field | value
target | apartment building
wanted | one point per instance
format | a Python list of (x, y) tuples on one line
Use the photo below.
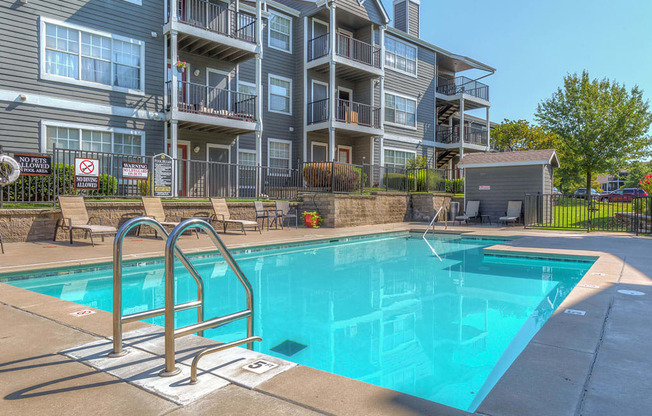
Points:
[(267, 83)]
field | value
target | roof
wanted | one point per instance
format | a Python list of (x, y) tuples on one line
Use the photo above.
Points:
[(524, 158)]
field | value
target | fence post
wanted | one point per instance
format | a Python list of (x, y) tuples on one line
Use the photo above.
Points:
[(362, 178), (54, 184), (333, 177)]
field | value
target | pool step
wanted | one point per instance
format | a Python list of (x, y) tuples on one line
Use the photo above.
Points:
[(141, 366)]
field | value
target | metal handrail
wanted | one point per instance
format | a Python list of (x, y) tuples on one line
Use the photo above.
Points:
[(118, 318), (432, 224), (170, 332)]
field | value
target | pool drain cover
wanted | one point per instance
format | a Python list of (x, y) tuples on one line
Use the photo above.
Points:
[(288, 348)]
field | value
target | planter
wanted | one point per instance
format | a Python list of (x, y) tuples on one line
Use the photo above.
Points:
[(312, 219), (307, 219)]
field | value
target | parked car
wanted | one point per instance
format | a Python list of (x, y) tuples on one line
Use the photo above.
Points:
[(581, 193), (556, 191), (604, 196), (626, 195)]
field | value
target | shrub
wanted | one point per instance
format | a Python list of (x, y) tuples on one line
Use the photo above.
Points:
[(399, 181), (455, 186), (427, 180), (343, 178)]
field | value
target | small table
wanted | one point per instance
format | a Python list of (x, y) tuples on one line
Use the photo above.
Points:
[(483, 217)]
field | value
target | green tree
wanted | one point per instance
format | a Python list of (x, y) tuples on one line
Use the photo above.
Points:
[(636, 173), (515, 135), (600, 124)]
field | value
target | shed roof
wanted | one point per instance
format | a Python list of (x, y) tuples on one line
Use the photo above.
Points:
[(523, 158)]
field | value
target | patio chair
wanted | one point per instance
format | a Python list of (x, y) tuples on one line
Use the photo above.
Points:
[(221, 214), (472, 212), (262, 213), (154, 209), (513, 214), (75, 217), (284, 211), (2, 246)]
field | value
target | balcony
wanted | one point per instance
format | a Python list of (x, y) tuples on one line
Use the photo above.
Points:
[(462, 85), (225, 110), (349, 115), (472, 136), (213, 30), (358, 59)]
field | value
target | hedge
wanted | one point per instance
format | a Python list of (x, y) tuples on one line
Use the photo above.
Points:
[(423, 180), (343, 178), (44, 188), (455, 186)]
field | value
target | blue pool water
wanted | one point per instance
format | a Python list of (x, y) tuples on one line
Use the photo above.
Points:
[(382, 310)]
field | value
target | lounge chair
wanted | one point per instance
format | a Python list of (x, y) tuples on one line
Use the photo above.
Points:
[(472, 212), (284, 211), (2, 246), (221, 214), (513, 214), (154, 209), (75, 217)]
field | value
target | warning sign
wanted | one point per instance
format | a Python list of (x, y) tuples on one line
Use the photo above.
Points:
[(135, 170), (83, 312), (87, 173)]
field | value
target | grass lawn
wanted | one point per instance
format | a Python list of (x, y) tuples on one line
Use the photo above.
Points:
[(572, 214)]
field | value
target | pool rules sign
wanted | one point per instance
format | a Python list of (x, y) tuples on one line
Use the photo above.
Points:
[(87, 173)]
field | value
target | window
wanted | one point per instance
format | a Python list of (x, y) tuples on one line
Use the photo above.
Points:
[(247, 158), (247, 88), (95, 139), (400, 56), (400, 111), (90, 58), (279, 153), (279, 95), (280, 32), (398, 158)]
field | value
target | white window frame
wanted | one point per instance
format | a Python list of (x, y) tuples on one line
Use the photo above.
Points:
[(272, 140), (408, 45), (49, 123), (396, 149), (269, 93), (349, 148), (312, 89), (253, 152), (210, 146), (247, 84), (91, 84), (321, 22), (312, 149), (269, 31), (416, 111)]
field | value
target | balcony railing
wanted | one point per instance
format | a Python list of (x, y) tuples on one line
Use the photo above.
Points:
[(358, 51), (462, 85), (348, 112), (347, 47), (218, 19), (472, 135), (202, 99)]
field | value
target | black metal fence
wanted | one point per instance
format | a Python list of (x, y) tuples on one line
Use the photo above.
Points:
[(216, 18), (203, 179), (568, 212)]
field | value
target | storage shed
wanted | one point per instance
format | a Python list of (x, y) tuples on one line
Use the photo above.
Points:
[(496, 178)]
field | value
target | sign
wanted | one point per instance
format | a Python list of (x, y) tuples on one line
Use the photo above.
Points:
[(34, 165), (575, 312), (163, 175), (135, 170), (83, 312), (260, 366), (87, 173), (484, 188)]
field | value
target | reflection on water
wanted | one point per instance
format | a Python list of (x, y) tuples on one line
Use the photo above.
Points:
[(383, 311)]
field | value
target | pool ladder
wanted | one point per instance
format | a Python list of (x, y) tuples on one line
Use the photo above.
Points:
[(172, 251), (432, 225)]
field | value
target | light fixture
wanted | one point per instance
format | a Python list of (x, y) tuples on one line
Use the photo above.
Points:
[(196, 149), (22, 97), (197, 72), (154, 34), (291, 129)]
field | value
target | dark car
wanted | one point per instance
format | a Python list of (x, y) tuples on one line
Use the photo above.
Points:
[(626, 195), (581, 193)]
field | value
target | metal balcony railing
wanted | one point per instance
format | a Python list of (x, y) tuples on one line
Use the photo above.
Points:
[(472, 135), (348, 112), (347, 47), (462, 85), (202, 99), (217, 19)]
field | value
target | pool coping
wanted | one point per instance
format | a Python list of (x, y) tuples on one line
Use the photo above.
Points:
[(603, 274)]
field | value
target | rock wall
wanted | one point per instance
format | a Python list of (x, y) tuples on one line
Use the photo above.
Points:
[(424, 206)]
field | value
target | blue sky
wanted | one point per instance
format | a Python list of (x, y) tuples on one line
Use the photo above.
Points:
[(533, 44)]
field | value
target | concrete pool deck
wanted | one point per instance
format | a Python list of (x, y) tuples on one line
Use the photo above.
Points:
[(595, 363)]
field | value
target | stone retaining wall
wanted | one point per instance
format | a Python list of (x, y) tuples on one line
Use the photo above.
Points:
[(424, 206), (39, 224), (625, 220)]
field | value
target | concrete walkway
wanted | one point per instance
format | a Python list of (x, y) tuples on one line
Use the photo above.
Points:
[(591, 364)]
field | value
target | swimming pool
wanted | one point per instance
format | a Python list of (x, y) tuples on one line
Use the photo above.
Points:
[(382, 310)]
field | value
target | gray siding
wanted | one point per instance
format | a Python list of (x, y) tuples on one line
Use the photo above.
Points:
[(507, 184), (20, 126), (413, 19), (369, 10), (400, 16), (21, 24), (422, 89)]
